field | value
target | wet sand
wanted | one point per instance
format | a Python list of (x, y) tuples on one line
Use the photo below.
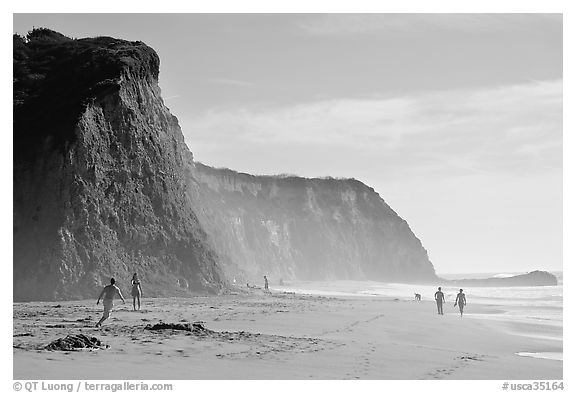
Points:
[(278, 336)]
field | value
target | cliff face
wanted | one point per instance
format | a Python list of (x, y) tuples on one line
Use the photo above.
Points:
[(99, 187), (307, 229), (104, 185)]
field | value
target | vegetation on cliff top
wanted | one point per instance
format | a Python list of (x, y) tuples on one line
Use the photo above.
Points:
[(48, 64)]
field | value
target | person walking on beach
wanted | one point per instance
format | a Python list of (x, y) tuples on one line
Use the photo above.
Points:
[(461, 301), (266, 284), (136, 291), (109, 293), (439, 296)]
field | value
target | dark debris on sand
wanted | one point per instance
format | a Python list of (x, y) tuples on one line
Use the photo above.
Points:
[(196, 328), (170, 326), (75, 342)]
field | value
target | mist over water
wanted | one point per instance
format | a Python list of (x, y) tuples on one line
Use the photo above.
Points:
[(538, 310)]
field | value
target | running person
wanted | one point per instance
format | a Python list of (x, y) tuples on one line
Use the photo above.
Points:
[(461, 301), (109, 293), (136, 290), (439, 296)]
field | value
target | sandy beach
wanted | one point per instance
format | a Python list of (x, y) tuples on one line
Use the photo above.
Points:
[(253, 335)]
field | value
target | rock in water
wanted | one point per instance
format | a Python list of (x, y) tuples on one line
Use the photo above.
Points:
[(75, 342)]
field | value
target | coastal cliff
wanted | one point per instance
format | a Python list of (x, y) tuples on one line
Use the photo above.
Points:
[(104, 186), (99, 187), (289, 227)]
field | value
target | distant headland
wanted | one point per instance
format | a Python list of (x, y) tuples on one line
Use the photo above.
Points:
[(535, 278)]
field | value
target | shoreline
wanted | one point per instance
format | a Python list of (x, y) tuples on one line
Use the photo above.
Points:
[(284, 336)]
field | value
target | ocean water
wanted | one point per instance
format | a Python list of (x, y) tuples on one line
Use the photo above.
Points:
[(537, 309), (541, 306)]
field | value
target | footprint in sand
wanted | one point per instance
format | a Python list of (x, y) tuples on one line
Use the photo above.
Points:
[(460, 361), (362, 366)]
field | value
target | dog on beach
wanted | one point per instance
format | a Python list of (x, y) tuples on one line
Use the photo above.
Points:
[(417, 296)]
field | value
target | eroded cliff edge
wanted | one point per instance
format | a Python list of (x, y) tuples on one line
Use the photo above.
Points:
[(306, 229), (104, 185), (99, 186)]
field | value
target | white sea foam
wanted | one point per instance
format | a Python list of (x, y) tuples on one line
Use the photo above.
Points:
[(503, 275), (543, 355), (537, 306)]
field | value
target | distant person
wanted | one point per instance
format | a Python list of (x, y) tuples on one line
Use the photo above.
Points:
[(266, 284), (439, 296), (109, 293), (461, 301), (136, 291)]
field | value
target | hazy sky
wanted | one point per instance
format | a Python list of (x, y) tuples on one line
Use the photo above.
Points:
[(454, 119)]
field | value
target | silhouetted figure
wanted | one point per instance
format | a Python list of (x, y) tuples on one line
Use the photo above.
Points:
[(461, 301), (136, 291), (417, 296), (109, 293), (266, 283), (439, 296)]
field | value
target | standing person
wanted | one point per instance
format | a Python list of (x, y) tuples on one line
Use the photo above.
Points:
[(109, 293), (439, 296), (136, 291), (461, 301), (266, 283)]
